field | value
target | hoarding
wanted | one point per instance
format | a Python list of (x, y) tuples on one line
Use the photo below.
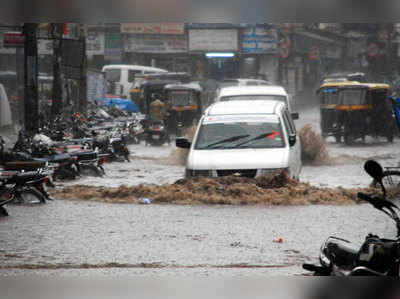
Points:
[(258, 40), (153, 28), (213, 40), (155, 43)]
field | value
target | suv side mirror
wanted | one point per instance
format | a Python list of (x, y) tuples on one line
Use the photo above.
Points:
[(182, 143), (292, 140), (295, 115)]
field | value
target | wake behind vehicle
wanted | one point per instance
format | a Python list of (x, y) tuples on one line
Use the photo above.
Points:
[(376, 257), (246, 138)]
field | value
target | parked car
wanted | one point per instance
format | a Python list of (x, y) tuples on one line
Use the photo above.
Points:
[(256, 93), (244, 138)]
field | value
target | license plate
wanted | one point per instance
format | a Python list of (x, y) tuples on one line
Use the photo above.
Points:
[(156, 137)]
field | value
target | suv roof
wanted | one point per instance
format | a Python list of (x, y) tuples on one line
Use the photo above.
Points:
[(243, 107), (253, 90)]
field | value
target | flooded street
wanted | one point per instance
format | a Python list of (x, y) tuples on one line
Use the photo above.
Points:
[(68, 237), (65, 237)]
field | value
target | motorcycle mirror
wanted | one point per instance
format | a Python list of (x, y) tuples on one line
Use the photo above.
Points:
[(374, 169)]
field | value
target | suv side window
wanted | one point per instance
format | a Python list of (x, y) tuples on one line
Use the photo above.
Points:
[(289, 122)]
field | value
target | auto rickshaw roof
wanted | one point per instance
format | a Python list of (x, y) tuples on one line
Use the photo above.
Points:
[(339, 84), (158, 82), (189, 86), (377, 85)]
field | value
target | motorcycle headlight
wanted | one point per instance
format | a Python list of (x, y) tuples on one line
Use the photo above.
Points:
[(323, 258), (197, 173)]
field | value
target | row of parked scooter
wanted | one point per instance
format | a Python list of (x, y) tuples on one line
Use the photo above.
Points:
[(65, 149)]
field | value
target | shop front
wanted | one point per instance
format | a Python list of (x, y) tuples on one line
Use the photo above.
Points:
[(159, 45), (214, 53)]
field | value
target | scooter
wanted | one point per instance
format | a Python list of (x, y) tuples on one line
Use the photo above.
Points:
[(156, 134), (376, 257)]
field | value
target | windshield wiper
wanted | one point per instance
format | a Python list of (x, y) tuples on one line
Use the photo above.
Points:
[(230, 139), (258, 137)]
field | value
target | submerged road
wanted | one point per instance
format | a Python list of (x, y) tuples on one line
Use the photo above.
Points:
[(70, 238)]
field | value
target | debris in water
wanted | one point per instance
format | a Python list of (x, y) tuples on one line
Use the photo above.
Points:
[(275, 189), (144, 201)]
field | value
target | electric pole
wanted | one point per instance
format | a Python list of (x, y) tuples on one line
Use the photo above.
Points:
[(57, 103), (31, 104)]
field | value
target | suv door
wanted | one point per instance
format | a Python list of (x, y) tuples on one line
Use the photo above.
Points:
[(294, 149)]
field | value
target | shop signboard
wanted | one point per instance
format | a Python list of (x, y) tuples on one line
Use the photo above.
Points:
[(112, 49), (259, 40), (153, 28), (13, 40), (4, 50), (141, 43), (95, 43), (204, 40)]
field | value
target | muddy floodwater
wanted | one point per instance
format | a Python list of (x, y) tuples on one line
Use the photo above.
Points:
[(73, 237), (84, 238)]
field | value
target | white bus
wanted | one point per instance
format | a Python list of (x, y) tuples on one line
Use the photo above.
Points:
[(124, 75)]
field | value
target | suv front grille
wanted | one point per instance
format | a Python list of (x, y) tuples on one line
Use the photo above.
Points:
[(248, 173)]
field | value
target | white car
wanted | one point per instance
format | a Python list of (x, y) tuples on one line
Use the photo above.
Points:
[(244, 138), (255, 93)]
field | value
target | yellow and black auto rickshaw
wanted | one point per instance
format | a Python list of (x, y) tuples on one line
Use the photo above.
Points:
[(364, 109), (183, 105), (328, 95)]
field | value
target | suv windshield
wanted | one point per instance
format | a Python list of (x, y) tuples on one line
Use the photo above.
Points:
[(240, 135), (254, 98)]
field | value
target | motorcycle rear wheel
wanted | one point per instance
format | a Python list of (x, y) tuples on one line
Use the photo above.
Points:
[(30, 196)]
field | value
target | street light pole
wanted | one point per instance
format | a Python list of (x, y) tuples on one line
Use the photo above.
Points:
[(31, 113)]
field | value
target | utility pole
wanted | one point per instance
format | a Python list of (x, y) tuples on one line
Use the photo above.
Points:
[(31, 105), (83, 80), (57, 92)]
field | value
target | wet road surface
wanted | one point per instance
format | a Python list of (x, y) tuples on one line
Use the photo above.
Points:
[(75, 238), (67, 238)]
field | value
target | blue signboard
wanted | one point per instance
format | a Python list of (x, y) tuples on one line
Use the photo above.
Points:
[(95, 86), (259, 40)]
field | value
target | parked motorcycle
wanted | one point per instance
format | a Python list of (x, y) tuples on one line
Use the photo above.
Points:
[(376, 257)]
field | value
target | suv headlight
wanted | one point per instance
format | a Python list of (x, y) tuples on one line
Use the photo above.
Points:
[(263, 172), (195, 173)]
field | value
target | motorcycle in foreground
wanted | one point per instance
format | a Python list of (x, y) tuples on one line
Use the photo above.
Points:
[(376, 257)]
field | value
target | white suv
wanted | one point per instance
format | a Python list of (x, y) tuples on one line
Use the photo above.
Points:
[(245, 138)]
